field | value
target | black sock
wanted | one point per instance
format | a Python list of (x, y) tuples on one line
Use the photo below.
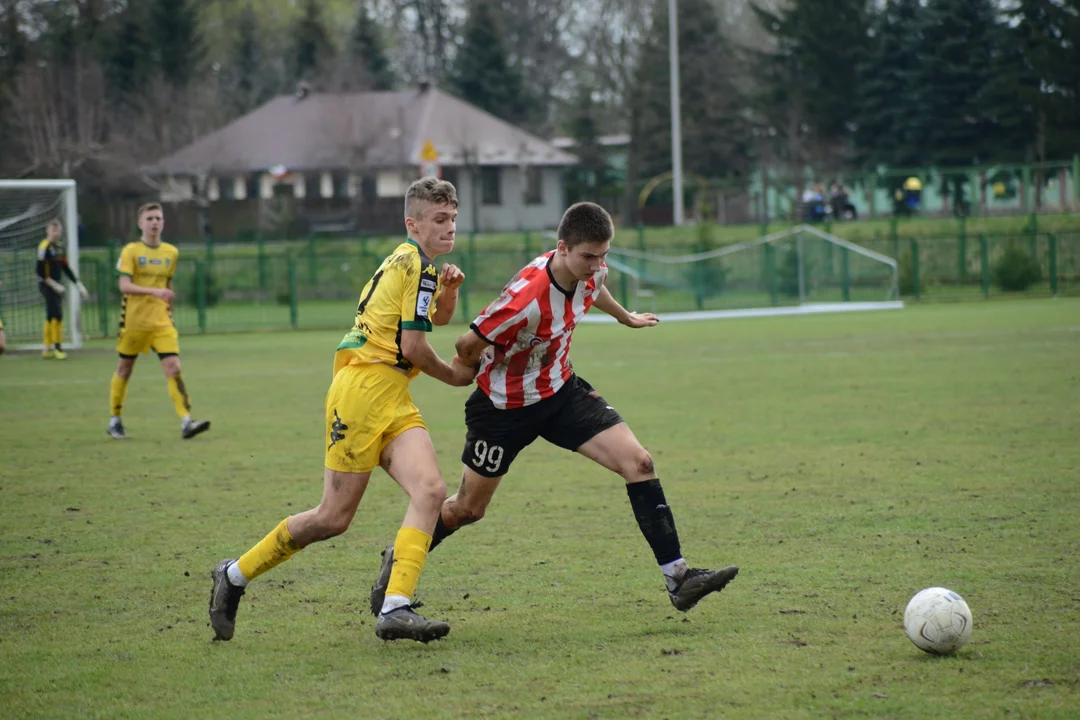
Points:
[(441, 533), (655, 519)]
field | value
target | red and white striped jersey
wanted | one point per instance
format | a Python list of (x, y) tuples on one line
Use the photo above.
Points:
[(529, 327)]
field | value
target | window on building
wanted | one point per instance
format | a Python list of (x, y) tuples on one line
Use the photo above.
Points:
[(254, 185), (490, 185), (226, 188), (341, 184), (534, 186)]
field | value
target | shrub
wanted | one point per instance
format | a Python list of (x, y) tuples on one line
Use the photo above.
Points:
[(1015, 270)]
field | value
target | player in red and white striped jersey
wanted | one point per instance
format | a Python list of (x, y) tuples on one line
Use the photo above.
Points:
[(529, 328), (527, 388)]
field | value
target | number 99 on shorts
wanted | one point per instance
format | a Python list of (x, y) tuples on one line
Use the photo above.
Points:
[(487, 457)]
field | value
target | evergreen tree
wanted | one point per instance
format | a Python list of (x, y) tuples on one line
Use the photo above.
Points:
[(888, 82), (957, 47), (1036, 78), (13, 42), (366, 49), (482, 74), (312, 48), (590, 173), (129, 60), (174, 32), (819, 45), (252, 79)]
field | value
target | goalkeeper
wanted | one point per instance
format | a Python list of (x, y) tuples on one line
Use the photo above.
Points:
[(52, 265)]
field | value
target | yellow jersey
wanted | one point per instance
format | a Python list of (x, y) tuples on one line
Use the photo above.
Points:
[(401, 295), (147, 266)]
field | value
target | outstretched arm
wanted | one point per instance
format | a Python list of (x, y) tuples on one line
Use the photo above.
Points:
[(417, 350), (470, 347), (607, 302)]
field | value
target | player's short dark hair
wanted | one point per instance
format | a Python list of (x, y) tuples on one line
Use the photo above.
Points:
[(430, 190), (54, 221), (585, 222), (145, 207)]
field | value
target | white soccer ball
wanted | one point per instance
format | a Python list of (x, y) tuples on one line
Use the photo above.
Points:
[(938, 621)]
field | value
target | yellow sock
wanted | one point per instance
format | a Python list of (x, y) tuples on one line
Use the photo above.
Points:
[(410, 552), (117, 393), (180, 397), (272, 550), (58, 333)]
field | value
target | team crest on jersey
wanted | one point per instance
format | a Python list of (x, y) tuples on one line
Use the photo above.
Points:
[(142, 260), (168, 262), (535, 341)]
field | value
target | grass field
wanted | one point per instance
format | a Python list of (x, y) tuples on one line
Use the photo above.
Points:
[(844, 462)]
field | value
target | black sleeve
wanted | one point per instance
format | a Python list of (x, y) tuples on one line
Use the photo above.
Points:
[(68, 271), (41, 270)]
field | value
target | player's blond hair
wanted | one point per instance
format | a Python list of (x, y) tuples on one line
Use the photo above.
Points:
[(430, 190), (585, 222), (145, 207)]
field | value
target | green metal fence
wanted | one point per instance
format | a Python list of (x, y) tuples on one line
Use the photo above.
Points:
[(316, 284)]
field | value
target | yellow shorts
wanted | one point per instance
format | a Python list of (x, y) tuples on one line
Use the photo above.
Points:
[(165, 341), (366, 408)]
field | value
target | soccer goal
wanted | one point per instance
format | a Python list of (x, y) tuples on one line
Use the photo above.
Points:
[(801, 270), (26, 207)]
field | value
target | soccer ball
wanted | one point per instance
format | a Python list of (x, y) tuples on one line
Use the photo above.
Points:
[(938, 621)]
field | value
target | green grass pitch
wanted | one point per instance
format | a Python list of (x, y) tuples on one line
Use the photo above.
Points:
[(844, 462)]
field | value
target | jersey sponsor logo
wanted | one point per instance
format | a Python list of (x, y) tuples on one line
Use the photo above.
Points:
[(430, 270), (428, 284), (155, 261), (535, 341), (423, 304)]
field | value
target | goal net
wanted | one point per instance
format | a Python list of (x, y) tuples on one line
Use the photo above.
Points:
[(26, 207), (797, 271)]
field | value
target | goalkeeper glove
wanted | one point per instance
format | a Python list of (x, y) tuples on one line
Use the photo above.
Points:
[(83, 291), (55, 286)]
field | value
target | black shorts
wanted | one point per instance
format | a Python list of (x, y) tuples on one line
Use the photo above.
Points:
[(569, 419), (54, 303)]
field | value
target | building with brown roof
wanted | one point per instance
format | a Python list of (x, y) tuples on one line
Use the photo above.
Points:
[(322, 162)]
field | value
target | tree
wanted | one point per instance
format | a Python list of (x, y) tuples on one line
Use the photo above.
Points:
[(482, 74), (174, 33), (367, 52), (807, 83), (957, 47), (536, 35), (954, 120), (713, 125), (13, 41), (886, 131), (312, 48), (129, 63), (1034, 93), (427, 34), (590, 173)]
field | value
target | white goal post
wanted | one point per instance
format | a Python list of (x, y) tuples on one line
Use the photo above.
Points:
[(26, 207)]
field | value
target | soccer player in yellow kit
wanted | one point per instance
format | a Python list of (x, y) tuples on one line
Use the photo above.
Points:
[(146, 271), (52, 266), (371, 420)]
